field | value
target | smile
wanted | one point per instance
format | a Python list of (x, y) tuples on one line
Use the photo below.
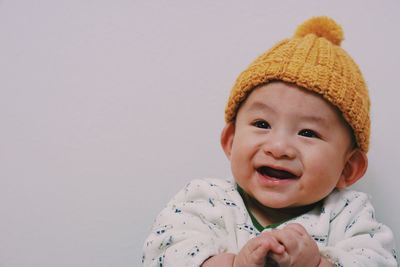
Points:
[(275, 173)]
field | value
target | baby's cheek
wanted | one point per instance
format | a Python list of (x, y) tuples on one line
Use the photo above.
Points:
[(323, 175)]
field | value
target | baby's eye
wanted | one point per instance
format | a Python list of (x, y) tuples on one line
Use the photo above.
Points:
[(308, 133), (262, 124)]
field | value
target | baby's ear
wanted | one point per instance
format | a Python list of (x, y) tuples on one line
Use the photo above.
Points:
[(227, 138), (354, 169)]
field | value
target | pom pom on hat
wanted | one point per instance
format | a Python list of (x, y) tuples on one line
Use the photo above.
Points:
[(321, 27)]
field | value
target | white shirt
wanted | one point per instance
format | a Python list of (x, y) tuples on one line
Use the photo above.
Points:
[(208, 217)]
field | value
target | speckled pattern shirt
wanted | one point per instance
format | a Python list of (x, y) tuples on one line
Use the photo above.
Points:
[(208, 217)]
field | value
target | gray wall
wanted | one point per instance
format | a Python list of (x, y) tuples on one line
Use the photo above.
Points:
[(107, 108)]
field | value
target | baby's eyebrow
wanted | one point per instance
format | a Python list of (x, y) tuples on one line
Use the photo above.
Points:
[(260, 106), (315, 119)]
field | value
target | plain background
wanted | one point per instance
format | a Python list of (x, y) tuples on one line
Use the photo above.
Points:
[(108, 108)]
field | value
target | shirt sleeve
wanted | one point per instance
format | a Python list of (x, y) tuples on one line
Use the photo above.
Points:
[(357, 239), (190, 229)]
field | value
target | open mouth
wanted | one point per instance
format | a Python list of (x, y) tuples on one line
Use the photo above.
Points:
[(275, 173)]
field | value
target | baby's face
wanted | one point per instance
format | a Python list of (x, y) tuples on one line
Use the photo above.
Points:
[(289, 146)]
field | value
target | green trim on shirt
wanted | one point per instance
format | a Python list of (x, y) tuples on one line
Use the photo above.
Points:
[(256, 224)]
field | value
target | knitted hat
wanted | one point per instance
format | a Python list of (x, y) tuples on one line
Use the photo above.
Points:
[(312, 59)]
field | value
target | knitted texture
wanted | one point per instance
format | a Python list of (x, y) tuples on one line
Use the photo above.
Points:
[(312, 59)]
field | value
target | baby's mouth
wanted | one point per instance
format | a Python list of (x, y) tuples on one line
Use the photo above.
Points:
[(275, 173)]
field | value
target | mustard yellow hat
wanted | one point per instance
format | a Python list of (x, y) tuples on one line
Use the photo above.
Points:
[(314, 60)]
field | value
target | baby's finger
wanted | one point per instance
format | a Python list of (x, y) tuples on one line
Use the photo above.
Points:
[(259, 247), (270, 243), (256, 250), (287, 237), (298, 228)]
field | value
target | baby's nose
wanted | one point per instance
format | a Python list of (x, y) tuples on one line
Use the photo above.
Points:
[(279, 145)]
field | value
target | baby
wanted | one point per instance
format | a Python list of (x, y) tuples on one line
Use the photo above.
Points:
[(296, 134)]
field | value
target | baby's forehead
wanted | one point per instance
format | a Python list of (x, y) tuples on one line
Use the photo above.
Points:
[(285, 94)]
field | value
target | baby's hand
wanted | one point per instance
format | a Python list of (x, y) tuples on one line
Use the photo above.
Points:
[(255, 252), (300, 248)]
